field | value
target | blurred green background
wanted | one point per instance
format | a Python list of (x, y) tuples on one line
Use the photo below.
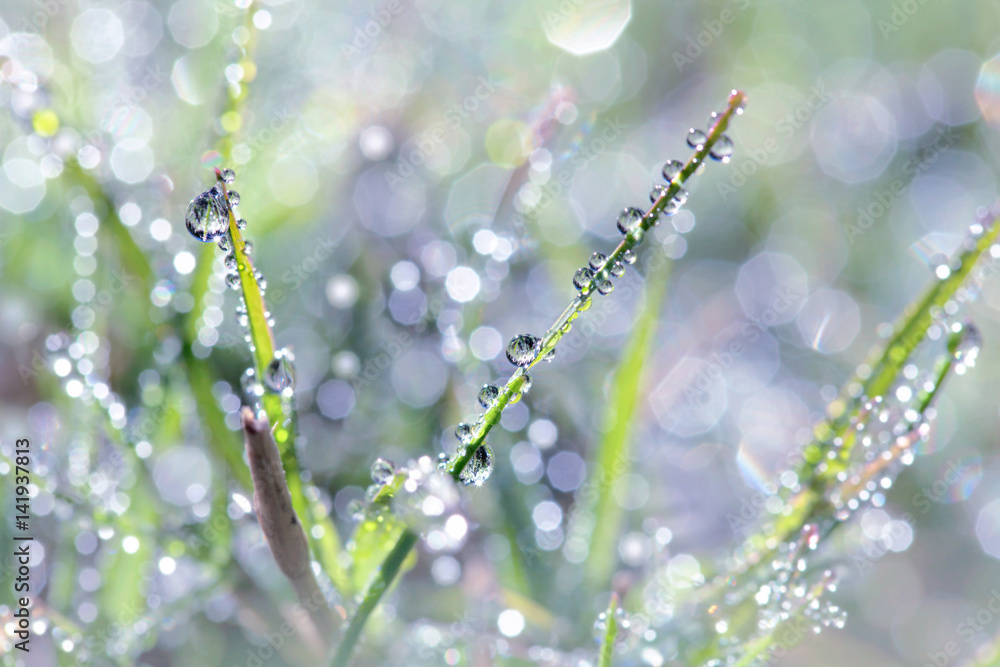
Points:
[(421, 178)]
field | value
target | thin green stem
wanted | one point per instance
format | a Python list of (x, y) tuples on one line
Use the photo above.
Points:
[(386, 574), (583, 300), (610, 633)]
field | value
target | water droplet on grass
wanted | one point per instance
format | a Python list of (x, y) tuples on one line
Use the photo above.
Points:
[(521, 349), (488, 395), (234, 198), (629, 219), (722, 149), (207, 216), (671, 169), (696, 139), (464, 433), (382, 470), (479, 467), (280, 373), (228, 175), (597, 260), (582, 278)]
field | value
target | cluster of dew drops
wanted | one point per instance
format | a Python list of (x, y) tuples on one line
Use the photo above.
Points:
[(207, 220), (887, 431)]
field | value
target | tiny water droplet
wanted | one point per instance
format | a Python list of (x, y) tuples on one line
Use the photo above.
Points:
[(659, 189), (605, 287), (479, 467), (629, 219), (617, 269), (234, 198), (280, 373), (207, 216), (671, 169), (628, 256), (601, 627), (356, 510), (696, 139), (968, 346), (722, 149), (680, 197), (382, 470), (224, 244), (464, 433), (233, 281), (247, 247), (241, 224), (597, 260), (230, 262), (488, 395), (526, 387), (582, 278), (521, 349), (713, 118), (228, 175)]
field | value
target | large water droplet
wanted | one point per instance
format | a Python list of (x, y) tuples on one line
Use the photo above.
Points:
[(207, 215), (382, 470), (280, 373), (696, 139), (521, 349), (479, 467), (488, 395), (722, 149), (629, 219), (582, 278)]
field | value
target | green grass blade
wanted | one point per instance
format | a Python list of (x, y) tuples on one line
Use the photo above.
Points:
[(613, 457), (610, 633)]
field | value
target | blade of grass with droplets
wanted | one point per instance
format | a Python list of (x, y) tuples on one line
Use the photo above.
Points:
[(610, 633), (583, 301), (322, 534), (613, 457), (513, 388)]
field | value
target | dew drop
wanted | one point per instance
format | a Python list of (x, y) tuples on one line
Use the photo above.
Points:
[(617, 269), (247, 247), (234, 198), (228, 175), (464, 433), (659, 189), (628, 256), (356, 510), (713, 118), (230, 262), (488, 395), (521, 350), (968, 346), (241, 224), (680, 197), (582, 278), (722, 149), (250, 384), (629, 219), (671, 169), (233, 281), (597, 260), (601, 627), (479, 467), (207, 216), (225, 245), (605, 287), (382, 470), (280, 373), (696, 139)]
